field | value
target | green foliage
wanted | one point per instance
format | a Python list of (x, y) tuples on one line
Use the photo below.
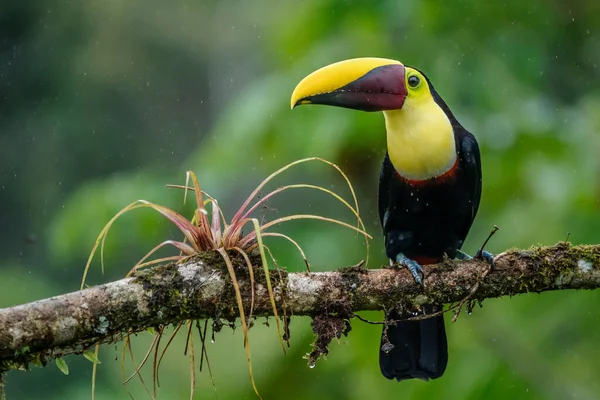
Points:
[(62, 365), (102, 103), (91, 357)]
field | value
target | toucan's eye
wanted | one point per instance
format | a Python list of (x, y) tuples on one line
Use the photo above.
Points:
[(413, 81)]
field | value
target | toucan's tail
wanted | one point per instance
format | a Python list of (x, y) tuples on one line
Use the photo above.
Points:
[(420, 348)]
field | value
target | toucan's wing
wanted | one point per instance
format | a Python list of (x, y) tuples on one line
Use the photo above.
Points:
[(470, 168), (385, 176)]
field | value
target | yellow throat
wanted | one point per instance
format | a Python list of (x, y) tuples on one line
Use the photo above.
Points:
[(420, 140)]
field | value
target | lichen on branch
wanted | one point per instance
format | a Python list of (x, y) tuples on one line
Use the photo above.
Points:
[(200, 288)]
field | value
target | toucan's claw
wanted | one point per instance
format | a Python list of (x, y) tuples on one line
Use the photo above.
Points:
[(413, 266), (480, 255), (486, 256)]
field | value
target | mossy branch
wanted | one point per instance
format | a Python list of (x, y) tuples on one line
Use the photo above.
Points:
[(201, 288)]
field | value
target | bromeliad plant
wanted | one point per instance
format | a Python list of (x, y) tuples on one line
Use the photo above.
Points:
[(211, 232)]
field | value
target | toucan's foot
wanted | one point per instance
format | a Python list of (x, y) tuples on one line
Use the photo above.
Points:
[(481, 255), (486, 256), (413, 266)]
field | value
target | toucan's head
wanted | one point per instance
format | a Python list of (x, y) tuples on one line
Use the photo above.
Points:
[(419, 125), (367, 84)]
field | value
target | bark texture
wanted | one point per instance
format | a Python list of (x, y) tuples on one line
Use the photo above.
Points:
[(201, 288)]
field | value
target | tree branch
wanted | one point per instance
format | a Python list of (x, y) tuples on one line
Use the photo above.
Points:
[(201, 288)]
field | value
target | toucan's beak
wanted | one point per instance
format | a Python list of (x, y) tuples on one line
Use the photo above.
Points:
[(367, 84)]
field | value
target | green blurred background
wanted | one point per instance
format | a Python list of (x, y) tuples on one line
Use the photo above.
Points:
[(103, 103)]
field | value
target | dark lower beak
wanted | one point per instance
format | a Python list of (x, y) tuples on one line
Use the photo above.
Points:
[(368, 89)]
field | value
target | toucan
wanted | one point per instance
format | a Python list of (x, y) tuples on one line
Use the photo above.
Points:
[(429, 189)]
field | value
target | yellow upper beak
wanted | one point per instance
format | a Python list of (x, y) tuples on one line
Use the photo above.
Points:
[(335, 76)]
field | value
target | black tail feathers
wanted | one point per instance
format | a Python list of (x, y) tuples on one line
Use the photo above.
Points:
[(420, 348)]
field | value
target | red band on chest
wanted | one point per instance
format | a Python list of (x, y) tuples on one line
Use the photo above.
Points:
[(426, 260), (446, 177)]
